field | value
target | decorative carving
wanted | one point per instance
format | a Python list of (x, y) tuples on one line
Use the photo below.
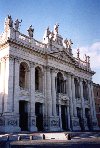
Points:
[(17, 22), (54, 123), (12, 122), (75, 123), (1, 122), (30, 31), (33, 121), (32, 64)]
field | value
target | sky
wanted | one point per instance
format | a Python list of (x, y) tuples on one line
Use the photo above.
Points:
[(79, 20)]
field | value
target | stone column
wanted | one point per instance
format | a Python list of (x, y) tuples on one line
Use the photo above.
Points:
[(68, 114), (16, 92), (53, 90), (70, 94), (48, 98), (82, 99), (94, 118), (83, 105), (9, 92), (2, 85), (48, 94), (75, 120), (45, 102), (73, 97), (16, 84), (32, 98), (11, 119)]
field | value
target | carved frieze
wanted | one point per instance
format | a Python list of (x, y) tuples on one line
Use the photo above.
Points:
[(12, 122)]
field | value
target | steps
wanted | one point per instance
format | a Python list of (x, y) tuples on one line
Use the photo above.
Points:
[(57, 136)]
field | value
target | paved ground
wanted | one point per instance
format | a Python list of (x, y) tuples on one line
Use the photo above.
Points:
[(79, 140)]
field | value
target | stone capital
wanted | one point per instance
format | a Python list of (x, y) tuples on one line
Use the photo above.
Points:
[(32, 65)]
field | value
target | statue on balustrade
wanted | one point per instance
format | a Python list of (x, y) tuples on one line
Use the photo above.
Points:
[(30, 31), (56, 28), (70, 43), (78, 53), (66, 42), (48, 32), (17, 22), (8, 22)]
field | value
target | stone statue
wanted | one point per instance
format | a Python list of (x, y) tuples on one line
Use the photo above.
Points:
[(52, 35), (8, 22), (56, 28), (88, 59), (85, 58), (48, 32), (30, 31), (66, 42), (70, 43), (17, 22), (78, 53)]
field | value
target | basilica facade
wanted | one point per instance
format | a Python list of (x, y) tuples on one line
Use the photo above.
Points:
[(43, 87)]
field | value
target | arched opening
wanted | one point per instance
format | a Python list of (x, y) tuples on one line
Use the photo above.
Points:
[(77, 88), (23, 75), (85, 90), (38, 79), (61, 84)]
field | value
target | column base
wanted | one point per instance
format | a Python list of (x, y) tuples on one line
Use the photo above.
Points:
[(75, 124), (52, 124), (86, 125), (9, 123), (32, 123), (95, 125)]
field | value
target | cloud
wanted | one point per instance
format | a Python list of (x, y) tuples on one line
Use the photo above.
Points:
[(94, 52)]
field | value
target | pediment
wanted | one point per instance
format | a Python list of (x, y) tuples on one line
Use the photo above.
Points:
[(65, 56)]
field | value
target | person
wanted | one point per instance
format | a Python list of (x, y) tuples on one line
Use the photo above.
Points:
[(17, 22), (30, 31)]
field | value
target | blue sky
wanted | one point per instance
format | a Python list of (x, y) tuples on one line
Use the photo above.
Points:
[(78, 20)]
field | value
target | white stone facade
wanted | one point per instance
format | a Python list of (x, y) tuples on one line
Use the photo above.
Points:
[(43, 86)]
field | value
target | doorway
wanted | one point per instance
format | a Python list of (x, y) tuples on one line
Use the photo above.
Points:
[(64, 117), (39, 116), (23, 112)]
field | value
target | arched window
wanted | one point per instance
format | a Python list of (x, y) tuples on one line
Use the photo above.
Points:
[(38, 79), (23, 75), (61, 85), (77, 89), (85, 90)]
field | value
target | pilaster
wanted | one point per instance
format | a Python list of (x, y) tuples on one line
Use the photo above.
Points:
[(94, 118), (53, 91), (75, 120), (9, 92), (2, 86), (32, 121)]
